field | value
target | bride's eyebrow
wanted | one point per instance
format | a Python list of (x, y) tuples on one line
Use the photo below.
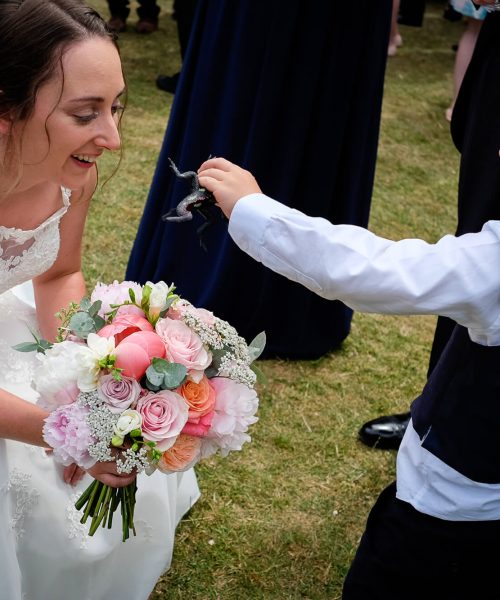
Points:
[(96, 99)]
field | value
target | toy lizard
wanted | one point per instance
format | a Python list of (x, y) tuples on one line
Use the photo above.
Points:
[(199, 200)]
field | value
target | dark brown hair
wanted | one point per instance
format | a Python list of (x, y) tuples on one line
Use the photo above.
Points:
[(34, 34)]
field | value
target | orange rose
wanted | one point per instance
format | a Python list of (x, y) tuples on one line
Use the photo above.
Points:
[(181, 456), (200, 397)]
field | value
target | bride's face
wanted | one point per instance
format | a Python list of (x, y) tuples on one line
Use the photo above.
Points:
[(75, 117)]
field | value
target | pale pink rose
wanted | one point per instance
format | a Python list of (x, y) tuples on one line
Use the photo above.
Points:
[(124, 325), (118, 394), (235, 408), (135, 353), (164, 415), (115, 293), (181, 456), (184, 346), (199, 426), (183, 307)]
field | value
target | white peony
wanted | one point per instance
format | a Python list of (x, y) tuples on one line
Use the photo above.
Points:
[(58, 370)]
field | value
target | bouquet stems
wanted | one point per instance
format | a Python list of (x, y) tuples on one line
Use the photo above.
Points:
[(100, 501)]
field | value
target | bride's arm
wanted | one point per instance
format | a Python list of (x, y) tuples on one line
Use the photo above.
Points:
[(63, 282), (21, 421)]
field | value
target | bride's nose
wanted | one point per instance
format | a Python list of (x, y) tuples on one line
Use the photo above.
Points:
[(108, 136)]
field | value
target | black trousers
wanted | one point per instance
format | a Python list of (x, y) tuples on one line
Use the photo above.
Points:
[(406, 555), (148, 9)]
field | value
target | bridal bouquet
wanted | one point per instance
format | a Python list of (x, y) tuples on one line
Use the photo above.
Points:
[(142, 377)]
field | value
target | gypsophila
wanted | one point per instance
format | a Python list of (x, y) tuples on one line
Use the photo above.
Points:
[(131, 460)]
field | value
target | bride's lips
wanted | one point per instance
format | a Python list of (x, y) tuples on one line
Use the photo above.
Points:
[(84, 161)]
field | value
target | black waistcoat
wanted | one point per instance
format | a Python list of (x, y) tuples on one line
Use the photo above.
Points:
[(457, 416)]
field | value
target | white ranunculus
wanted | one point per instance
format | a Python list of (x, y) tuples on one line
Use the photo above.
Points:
[(128, 421), (158, 297), (101, 346)]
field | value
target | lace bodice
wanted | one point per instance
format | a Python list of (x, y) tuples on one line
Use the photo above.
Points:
[(26, 253)]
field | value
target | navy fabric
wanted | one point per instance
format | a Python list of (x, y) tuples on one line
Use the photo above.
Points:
[(292, 91), (458, 413)]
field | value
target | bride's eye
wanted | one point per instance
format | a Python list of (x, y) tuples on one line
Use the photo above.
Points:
[(117, 109), (87, 118)]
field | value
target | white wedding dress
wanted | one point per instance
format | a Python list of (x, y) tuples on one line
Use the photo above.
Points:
[(45, 553)]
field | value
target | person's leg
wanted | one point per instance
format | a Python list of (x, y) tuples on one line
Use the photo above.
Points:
[(147, 12), (405, 554), (119, 11), (395, 38), (464, 53)]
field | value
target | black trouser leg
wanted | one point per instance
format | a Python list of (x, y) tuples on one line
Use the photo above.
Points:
[(119, 8), (148, 9), (407, 555)]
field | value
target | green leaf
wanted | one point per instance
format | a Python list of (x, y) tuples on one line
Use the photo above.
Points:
[(82, 324), (45, 344), (26, 347), (99, 322), (95, 308), (257, 345), (173, 373), (131, 294), (261, 377), (154, 377), (85, 304), (146, 293)]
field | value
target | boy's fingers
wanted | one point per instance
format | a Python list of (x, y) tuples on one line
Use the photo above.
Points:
[(218, 163)]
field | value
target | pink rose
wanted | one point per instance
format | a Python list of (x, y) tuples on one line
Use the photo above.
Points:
[(134, 354), (184, 346), (164, 414), (124, 325), (199, 426), (181, 456), (118, 395), (183, 307)]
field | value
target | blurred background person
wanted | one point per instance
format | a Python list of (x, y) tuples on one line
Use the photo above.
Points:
[(147, 12), (293, 93)]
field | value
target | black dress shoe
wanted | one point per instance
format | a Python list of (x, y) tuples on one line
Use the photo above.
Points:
[(385, 433)]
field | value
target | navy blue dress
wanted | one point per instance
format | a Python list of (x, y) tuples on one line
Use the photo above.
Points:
[(292, 91)]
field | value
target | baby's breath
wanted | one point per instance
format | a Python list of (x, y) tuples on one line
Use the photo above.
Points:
[(131, 460), (235, 360)]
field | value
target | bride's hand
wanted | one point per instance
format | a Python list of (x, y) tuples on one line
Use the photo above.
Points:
[(106, 473), (72, 474)]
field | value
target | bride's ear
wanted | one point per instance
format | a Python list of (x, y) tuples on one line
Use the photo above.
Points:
[(5, 125)]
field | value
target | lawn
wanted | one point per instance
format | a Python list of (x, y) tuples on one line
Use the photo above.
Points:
[(282, 519)]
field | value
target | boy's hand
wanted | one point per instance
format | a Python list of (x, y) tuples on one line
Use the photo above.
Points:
[(227, 182)]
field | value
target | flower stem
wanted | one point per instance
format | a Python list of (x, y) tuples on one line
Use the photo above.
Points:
[(91, 502)]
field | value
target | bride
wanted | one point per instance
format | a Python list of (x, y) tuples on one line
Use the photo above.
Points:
[(60, 88)]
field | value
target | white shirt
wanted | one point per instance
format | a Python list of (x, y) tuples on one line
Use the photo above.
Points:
[(458, 277)]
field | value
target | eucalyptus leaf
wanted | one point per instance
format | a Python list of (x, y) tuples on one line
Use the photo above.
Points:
[(95, 308), (174, 377), (85, 304), (261, 377), (151, 387), (26, 347), (257, 345), (154, 377), (211, 372), (81, 324), (99, 322)]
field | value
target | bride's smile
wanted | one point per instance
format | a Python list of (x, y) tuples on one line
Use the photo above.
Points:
[(75, 117)]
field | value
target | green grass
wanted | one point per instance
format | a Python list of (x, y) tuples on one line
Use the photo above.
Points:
[(282, 518)]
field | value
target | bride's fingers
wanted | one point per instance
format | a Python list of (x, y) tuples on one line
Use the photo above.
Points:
[(69, 473), (212, 172)]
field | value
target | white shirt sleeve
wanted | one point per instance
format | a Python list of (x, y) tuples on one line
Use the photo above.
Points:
[(458, 277)]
